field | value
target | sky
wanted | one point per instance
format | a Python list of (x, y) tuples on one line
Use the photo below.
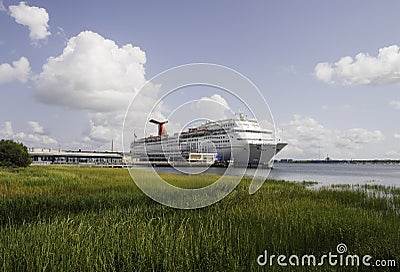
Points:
[(329, 70)]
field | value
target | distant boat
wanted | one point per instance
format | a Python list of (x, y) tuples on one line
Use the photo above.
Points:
[(240, 141)]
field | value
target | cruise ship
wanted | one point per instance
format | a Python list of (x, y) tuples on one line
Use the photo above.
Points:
[(239, 141)]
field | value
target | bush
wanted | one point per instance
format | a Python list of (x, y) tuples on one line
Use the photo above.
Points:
[(13, 154)]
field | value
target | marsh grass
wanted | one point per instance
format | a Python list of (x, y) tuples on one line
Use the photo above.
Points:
[(90, 219)]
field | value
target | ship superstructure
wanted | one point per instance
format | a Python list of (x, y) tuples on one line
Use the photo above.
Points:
[(240, 141)]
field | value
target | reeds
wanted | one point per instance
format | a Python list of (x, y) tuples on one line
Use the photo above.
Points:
[(90, 219)]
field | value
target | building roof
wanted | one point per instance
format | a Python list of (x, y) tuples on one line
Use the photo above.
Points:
[(71, 153)]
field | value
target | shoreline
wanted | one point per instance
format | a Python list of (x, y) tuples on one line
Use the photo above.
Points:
[(341, 161)]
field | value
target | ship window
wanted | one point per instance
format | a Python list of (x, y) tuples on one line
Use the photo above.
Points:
[(254, 131)]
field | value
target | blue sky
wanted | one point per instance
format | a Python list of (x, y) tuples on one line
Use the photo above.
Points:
[(294, 51)]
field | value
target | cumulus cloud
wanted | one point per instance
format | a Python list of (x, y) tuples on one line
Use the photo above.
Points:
[(213, 107), (395, 104), (19, 70), (35, 138), (307, 129), (35, 18), (105, 127), (308, 138), (2, 8), (36, 127), (357, 137), (216, 98), (100, 132), (96, 75), (6, 130), (397, 136), (363, 69), (92, 73)]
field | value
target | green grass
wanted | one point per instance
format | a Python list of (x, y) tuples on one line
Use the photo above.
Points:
[(91, 219)]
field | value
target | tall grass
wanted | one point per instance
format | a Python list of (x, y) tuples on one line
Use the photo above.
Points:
[(89, 219)]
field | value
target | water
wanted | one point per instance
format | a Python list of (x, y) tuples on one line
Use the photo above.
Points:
[(325, 174)]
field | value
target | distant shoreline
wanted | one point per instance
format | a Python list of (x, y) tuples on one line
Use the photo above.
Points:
[(373, 161)]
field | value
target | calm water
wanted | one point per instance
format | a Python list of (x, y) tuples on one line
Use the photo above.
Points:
[(326, 174)]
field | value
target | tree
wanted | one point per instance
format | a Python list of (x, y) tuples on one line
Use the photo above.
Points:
[(13, 154)]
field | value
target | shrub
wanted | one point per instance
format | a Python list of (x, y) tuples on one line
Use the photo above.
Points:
[(13, 154)]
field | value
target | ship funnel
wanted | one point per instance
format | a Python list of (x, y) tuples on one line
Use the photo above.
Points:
[(161, 129)]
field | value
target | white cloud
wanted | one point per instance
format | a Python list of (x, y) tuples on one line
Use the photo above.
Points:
[(36, 127), (395, 104), (2, 8), (34, 140), (61, 34), (324, 72), (35, 18), (397, 136), (100, 132), (19, 70), (309, 139), (37, 138), (92, 73), (356, 137), (214, 107), (363, 69), (6, 131), (218, 99), (105, 127), (306, 129)]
